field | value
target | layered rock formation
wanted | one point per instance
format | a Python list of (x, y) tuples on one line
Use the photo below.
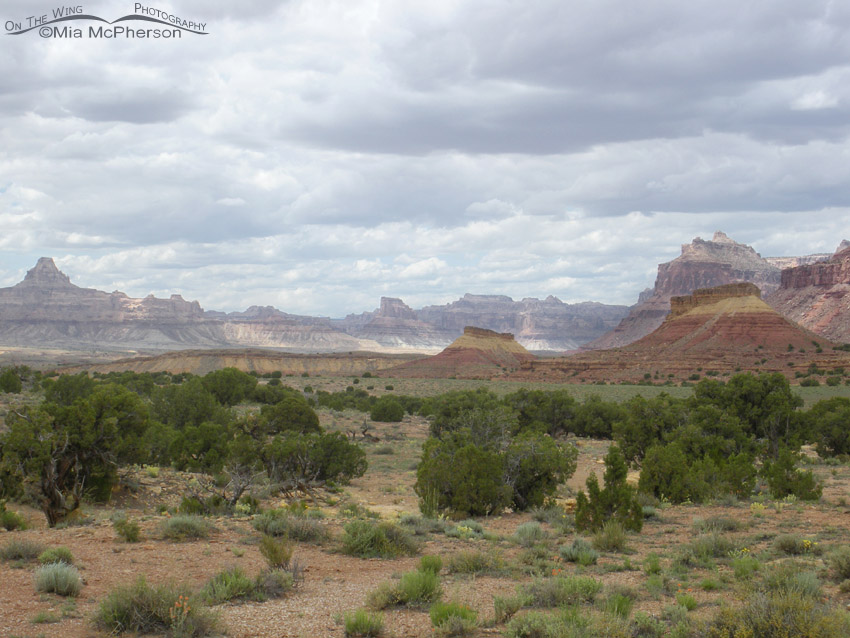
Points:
[(817, 296), (702, 264), (261, 361), (48, 311), (395, 325), (548, 324), (719, 330), (477, 354)]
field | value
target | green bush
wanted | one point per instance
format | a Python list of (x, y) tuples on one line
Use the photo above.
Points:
[(580, 552), (21, 550), (281, 522), (529, 534), (563, 590), (611, 538), (839, 561), (273, 583), (277, 552), (143, 609), (414, 588), (10, 520), (796, 545), (368, 539), (475, 562), (453, 619), (229, 584), (58, 578), (127, 529), (785, 615), (430, 564), (784, 479), (363, 624), (617, 500), (56, 555), (387, 409), (419, 587), (184, 527)]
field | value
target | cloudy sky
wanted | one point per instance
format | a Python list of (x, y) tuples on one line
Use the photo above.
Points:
[(315, 155)]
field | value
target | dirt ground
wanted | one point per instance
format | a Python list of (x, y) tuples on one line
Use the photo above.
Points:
[(335, 583)]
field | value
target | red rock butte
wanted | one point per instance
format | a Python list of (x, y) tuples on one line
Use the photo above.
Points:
[(476, 354), (720, 330)]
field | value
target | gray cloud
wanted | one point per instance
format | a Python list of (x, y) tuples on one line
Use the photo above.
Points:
[(318, 155)]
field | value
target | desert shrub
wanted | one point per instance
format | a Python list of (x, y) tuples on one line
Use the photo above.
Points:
[(368, 539), (10, 520), (611, 538), (712, 546), (453, 619), (229, 584), (387, 409), (796, 545), (363, 624), (784, 615), (615, 501), (809, 382), (430, 564), (790, 578), (144, 609), (491, 468), (419, 587), (185, 527), (88, 438), (619, 604), (58, 578), (421, 525), (469, 528), (292, 414), (540, 625), (744, 567), (280, 522), (277, 552), (839, 562), (529, 534), (717, 524), (828, 424), (504, 607), (413, 588), (10, 382), (21, 550), (229, 386), (273, 583), (580, 552), (56, 555), (475, 562), (784, 479), (127, 529), (294, 458), (562, 590)]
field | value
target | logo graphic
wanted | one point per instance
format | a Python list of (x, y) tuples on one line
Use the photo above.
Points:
[(51, 25)]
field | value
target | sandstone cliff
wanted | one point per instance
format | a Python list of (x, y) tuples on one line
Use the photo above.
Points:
[(720, 330), (477, 354), (817, 295), (702, 264)]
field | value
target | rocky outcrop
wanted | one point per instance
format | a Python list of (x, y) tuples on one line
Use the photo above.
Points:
[(702, 264), (395, 325), (817, 296), (47, 310), (477, 354), (717, 331), (548, 324), (708, 296), (260, 361)]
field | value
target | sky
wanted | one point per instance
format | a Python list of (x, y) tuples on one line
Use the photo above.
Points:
[(315, 155)]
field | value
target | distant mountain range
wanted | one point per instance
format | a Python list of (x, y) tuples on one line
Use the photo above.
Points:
[(46, 310)]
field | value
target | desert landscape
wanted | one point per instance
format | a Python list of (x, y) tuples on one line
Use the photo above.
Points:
[(691, 481)]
